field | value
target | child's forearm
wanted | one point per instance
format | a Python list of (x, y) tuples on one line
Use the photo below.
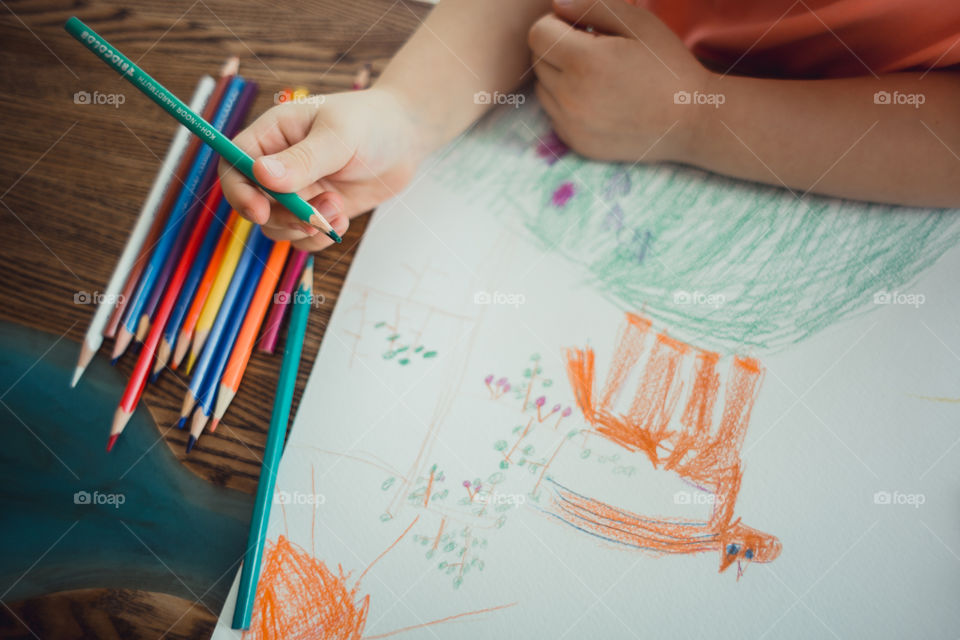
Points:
[(463, 47), (834, 137)]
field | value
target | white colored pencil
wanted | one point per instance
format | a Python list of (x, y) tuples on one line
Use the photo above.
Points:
[(94, 338)]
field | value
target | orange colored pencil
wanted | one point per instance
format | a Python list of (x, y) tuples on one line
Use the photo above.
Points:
[(203, 289), (243, 347)]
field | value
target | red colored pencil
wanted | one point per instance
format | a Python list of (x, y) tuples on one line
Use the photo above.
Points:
[(141, 371)]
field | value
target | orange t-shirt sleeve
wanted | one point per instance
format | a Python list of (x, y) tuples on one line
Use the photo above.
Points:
[(816, 38)]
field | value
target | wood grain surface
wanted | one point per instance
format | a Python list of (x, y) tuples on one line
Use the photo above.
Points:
[(73, 177)]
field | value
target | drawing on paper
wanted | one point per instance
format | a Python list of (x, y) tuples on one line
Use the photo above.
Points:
[(675, 434), (300, 598), (663, 237)]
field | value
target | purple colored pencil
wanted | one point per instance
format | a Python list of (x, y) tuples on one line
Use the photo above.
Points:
[(281, 301)]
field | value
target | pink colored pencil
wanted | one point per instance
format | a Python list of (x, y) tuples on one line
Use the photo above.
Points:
[(281, 301)]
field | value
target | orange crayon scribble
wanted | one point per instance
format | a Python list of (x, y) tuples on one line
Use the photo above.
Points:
[(704, 454), (299, 597)]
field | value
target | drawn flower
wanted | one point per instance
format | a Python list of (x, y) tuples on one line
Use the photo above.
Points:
[(551, 148), (488, 379), (540, 401), (566, 412), (563, 194)]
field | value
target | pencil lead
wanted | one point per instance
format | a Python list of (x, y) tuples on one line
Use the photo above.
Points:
[(114, 361), (154, 377), (213, 424), (182, 421), (190, 442), (112, 441), (76, 377)]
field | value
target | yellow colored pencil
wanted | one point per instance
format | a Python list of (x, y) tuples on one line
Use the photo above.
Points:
[(212, 305)]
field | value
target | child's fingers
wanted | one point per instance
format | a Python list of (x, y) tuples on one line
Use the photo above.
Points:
[(555, 41), (320, 241), (615, 18), (243, 196), (320, 154), (549, 76)]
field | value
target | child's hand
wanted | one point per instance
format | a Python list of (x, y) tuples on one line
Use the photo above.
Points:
[(344, 156), (611, 97)]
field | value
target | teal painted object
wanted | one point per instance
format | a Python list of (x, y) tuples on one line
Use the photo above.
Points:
[(184, 115), (171, 531), (243, 611)]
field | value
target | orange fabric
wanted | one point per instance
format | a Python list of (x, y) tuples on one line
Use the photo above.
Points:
[(815, 38)]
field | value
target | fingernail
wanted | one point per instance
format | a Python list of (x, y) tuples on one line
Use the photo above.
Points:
[(328, 209), (247, 213), (303, 227), (274, 167)]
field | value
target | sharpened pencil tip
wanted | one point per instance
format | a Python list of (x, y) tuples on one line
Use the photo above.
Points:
[(213, 424), (154, 377), (76, 377), (112, 441), (335, 236), (192, 441), (114, 362), (182, 421)]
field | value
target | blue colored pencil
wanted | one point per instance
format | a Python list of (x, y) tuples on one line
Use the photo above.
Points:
[(230, 129), (208, 388), (205, 361), (170, 231), (172, 330), (250, 572)]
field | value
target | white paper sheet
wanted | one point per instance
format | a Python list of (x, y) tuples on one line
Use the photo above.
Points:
[(421, 498)]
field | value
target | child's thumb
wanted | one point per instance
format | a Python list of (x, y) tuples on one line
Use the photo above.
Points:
[(299, 165), (616, 17)]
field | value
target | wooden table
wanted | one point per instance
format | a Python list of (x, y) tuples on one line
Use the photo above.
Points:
[(73, 177)]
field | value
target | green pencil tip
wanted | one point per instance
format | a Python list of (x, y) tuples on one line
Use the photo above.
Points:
[(335, 236)]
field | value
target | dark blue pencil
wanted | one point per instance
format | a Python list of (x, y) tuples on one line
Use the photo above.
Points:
[(230, 298), (208, 389), (172, 330)]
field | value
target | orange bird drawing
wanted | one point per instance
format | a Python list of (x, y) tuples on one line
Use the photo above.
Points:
[(676, 434)]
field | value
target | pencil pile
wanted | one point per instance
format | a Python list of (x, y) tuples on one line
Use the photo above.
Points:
[(195, 280)]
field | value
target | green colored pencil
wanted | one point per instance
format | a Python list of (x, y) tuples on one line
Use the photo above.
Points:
[(250, 573), (191, 120)]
